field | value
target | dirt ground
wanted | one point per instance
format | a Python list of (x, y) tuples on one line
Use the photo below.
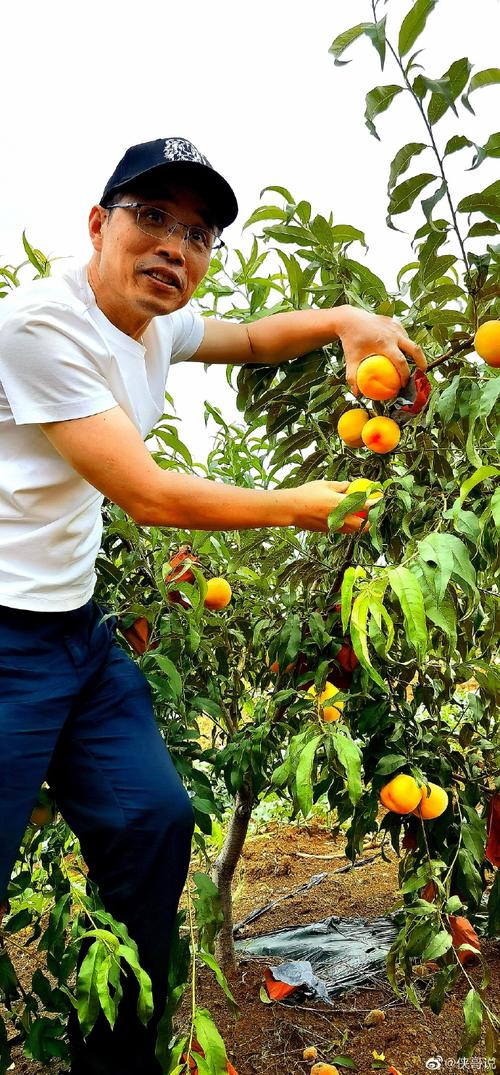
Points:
[(270, 1038)]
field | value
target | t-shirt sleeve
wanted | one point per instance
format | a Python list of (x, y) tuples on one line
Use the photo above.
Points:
[(48, 370), (189, 328)]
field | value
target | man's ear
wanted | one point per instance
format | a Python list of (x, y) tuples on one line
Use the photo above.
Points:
[(97, 218)]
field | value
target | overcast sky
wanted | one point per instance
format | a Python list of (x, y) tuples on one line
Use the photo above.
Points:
[(251, 84)]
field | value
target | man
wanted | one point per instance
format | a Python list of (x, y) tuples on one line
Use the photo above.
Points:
[(83, 363)]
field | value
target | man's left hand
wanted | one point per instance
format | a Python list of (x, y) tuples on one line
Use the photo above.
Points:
[(363, 334)]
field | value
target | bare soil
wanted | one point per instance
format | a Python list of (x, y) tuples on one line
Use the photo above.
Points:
[(270, 1038)]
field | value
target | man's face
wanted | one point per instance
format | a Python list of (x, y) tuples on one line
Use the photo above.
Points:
[(136, 276)]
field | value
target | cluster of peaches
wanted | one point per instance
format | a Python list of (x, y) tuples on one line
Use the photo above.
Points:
[(378, 379)]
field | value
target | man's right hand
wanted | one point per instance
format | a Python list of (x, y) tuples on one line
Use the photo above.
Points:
[(316, 499)]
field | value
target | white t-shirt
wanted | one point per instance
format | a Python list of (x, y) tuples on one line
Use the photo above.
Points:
[(61, 358)]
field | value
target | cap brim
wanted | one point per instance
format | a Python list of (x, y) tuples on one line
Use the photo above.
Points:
[(216, 191)]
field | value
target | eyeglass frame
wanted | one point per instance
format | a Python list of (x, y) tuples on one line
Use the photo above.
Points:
[(147, 205)]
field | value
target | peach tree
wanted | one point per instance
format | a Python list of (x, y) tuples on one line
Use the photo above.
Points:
[(402, 619)]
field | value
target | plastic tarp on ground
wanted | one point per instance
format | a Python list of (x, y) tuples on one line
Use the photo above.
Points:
[(327, 957)]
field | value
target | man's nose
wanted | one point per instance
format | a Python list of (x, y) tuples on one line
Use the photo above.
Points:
[(173, 245)]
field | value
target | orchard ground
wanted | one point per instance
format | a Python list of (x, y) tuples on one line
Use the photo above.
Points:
[(278, 857)]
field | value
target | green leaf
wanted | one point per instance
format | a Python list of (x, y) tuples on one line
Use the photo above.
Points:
[(473, 1016), (409, 594), (345, 233), (145, 999), (402, 160), (350, 757), (376, 32), (456, 143), (344, 40), (378, 100), (404, 194), (167, 666), (486, 228), (171, 441), (489, 77), (359, 635), (265, 212), (220, 977), (456, 79), (279, 190), (486, 202), (428, 204), (492, 146), (37, 259), (303, 775), (346, 595), (447, 400), (86, 987), (480, 475), (413, 24), (495, 507), (449, 556), (389, 763), (289, 233), (211, 1042), (439, 944)]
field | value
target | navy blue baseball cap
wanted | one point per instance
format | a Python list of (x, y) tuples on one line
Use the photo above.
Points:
[(170, 157)]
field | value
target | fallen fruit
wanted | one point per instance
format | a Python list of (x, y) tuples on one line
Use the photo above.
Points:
[(329, 712), (218, 594), (381, 435), (311, 1053), (377, 378), (374, 1017), (487, 343), (349, 426), (401, 795), (432, 803), (324, 1069)]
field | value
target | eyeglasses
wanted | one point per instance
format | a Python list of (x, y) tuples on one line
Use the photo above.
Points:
[(160, 224)]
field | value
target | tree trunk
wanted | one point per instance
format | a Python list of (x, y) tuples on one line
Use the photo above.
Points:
[(223, 871)]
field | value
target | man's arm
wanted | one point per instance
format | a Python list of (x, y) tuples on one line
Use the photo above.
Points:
[(280, 337), (107, 450)]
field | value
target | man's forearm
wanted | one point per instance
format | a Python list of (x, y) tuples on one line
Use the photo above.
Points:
[(280, 337), (200, 504)]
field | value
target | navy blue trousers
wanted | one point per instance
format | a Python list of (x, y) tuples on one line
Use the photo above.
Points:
[(76, 711)]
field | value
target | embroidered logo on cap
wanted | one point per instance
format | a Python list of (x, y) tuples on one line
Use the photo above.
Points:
[(179, 149)]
